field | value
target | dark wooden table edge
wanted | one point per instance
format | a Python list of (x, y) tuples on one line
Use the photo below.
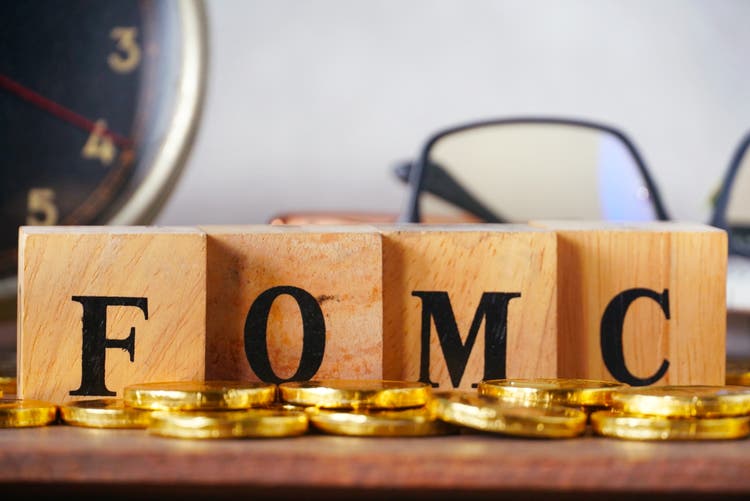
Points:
[(67, 458)]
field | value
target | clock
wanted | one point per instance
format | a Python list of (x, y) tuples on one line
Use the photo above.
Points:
[(99, 103)]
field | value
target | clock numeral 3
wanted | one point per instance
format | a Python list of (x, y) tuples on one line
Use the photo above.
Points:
[(41, 207), (128, 53), (99, 145)]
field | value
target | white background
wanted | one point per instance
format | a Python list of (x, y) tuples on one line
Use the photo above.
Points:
[(310, 103)]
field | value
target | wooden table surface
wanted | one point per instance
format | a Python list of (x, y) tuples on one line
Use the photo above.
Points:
[(88, 464), (59, 456)]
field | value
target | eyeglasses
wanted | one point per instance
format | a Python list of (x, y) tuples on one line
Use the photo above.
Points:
[(520, 169)]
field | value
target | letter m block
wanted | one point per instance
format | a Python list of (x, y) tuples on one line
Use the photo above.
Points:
[(469, 302), (103, 307)]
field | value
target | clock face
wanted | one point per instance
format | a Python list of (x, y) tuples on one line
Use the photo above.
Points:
[(98, 102)]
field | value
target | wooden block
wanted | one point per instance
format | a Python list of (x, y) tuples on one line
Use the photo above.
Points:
[(662, 285), (294, 303), (103, 307), (443, 283)]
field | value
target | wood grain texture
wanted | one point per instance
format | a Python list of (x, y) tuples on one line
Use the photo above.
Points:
[(599, 260), (467, 261), (478, 463), (339, 266), (166, 266)]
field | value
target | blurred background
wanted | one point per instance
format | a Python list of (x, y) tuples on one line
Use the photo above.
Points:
[(310, 104)]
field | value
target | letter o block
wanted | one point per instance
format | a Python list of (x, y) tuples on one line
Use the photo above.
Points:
[(469, 302), (641, 303), (103, 307), (294, 303)]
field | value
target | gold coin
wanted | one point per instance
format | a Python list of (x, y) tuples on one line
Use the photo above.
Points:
[(636, 427), (210, 395), (103, 413), (229, 424), (418, 422), (281, 406), (683, 401), (486, 414), (573, 392), (7, 386), (25, 413), (343, 394), (738, 372)]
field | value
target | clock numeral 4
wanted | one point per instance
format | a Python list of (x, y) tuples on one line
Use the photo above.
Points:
[(41, 207), (99, 145), (128, 53)]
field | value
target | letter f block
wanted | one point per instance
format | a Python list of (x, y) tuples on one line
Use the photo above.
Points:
[(463, 303), (642, 303), (103, 307)]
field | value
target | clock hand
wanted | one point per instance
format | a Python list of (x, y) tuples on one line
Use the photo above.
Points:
[(58, 110)]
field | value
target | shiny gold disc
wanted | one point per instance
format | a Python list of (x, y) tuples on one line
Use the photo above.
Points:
[(738, 373), (491, 415), (103, 413), (573, 392), (684, 401), (25, 413), (419, 422), (635, 427), (257, 423), (210, 395), (7, 386), (346, 394), (281, 406)]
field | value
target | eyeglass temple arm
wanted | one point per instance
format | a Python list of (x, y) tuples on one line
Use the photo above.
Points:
[(438, 182)]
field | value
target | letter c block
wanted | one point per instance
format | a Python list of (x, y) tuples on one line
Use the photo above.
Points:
[(464, 303), (642, 303), (103, 307)]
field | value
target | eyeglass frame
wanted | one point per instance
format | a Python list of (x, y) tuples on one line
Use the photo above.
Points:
[(416, 171)]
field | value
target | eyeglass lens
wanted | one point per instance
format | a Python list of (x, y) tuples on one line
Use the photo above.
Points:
[(527, 171)]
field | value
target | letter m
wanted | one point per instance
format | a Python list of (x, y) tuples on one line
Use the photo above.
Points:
[(493, 309)]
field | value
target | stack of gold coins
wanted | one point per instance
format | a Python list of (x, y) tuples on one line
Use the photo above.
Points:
[(582, 393), (509, 418), (257, 422), (677, 413), (350, 394), (207, 396), (26, 413), (214, 409), (417, 422), (538, 408), (103, 413), (366, 408), (23, 413)]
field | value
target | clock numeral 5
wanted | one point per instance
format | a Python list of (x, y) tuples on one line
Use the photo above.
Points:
[(99, 145), (128, 53), (41, 207)]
